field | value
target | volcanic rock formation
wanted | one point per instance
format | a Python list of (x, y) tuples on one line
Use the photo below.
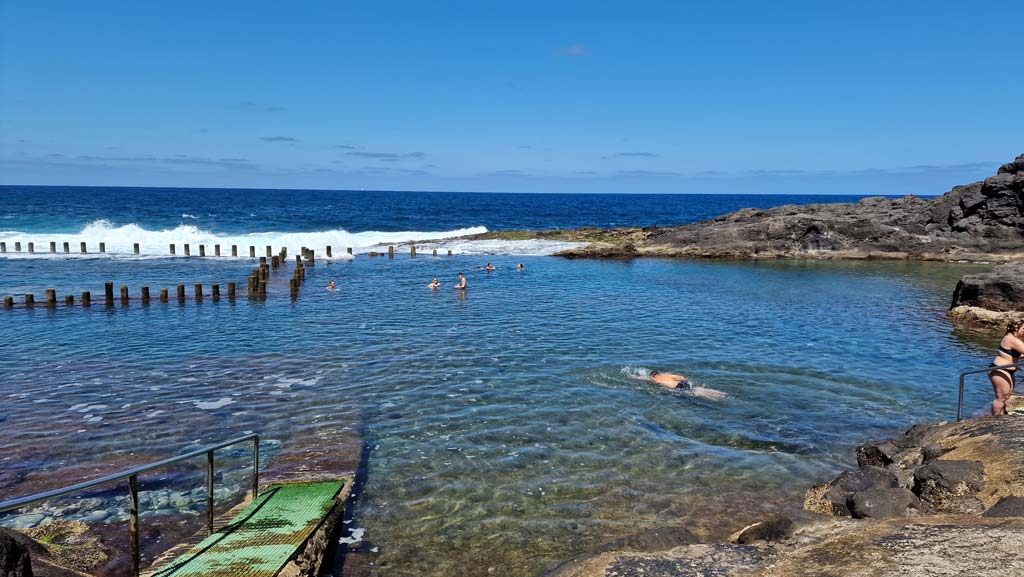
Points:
[(983, 221)]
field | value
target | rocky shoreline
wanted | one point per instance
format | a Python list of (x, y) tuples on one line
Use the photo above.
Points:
[(982, 221), (943, 499)]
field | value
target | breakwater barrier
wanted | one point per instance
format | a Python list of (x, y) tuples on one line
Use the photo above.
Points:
[(176, 249), (216, 250), (124, 296), (257, 284)]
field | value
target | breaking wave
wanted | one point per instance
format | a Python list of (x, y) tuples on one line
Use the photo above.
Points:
[(120, 241)]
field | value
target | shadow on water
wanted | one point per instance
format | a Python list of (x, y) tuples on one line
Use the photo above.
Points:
[(348, 557)]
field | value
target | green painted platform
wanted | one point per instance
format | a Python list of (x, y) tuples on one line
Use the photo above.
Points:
[(260, 541)]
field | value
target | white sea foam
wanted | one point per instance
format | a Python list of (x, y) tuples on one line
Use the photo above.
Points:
[(120, 240), (636, 372), (355, 537), (500, 247), (210, 405)]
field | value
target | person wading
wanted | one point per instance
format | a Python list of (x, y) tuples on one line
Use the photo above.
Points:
[(1010, 350)]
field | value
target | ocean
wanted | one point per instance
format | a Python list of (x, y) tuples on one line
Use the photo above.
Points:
[(498, 431)]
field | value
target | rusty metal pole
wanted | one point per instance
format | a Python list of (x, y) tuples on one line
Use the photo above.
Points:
[(209, 492), (255, 467), (133, 513)]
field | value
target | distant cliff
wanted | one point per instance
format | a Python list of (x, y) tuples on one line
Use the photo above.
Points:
[(980, 221)]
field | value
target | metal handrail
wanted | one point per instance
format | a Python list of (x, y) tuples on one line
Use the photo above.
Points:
[(133, 487), (988, 369)]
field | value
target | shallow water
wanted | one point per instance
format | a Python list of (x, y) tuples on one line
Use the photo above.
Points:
[(500, 430)]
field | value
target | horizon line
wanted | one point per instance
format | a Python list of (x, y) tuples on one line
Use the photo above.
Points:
[(836, 194)]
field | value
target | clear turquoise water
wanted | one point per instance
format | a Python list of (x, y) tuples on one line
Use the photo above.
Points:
[(499, 429)]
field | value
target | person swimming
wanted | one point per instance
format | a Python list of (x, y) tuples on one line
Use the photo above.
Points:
[(462, 282), (520, 267), (669, 380), (1011, 348), (490, 267), (435, 284), (677, 382), (331, 286)]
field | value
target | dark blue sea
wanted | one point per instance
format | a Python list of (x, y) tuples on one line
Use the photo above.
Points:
[(500, 430), (39, 209)]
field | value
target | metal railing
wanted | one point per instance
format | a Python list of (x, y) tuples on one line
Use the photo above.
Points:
[(988, 369), (133, 487)]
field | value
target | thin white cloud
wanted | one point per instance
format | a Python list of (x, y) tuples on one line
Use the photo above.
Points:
[(573, 51)]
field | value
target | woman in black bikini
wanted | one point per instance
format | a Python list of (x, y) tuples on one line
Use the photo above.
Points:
[(1010, 350)]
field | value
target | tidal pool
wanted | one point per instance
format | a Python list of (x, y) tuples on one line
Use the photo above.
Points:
[(498, 430)]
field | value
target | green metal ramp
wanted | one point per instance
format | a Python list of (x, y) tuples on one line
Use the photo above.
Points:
[(261, 539)]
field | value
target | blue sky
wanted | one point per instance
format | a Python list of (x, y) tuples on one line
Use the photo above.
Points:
[(742, 97)]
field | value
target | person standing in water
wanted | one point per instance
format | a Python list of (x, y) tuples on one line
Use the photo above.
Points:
[(462, 282), (520, 267), (1010, 350), (331, 286), (435, 284)]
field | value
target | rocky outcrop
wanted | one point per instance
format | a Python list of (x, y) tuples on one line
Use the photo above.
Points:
[(903, 478), (60, 549), (988, 302), (979, 320), (983, 218), (944, 468), (979, 221), (1001, 290), (943, 499), (925, 547), (15, 556)]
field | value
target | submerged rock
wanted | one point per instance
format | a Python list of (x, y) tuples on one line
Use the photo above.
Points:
[(771, 530), (655, 540)]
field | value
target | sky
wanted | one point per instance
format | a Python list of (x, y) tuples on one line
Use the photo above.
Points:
[(866, 97)]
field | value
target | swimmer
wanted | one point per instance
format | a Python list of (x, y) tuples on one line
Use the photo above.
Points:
[(520, 267), (435, 284), (331, 286), (462, 282), (680, 382), (489, 267)]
